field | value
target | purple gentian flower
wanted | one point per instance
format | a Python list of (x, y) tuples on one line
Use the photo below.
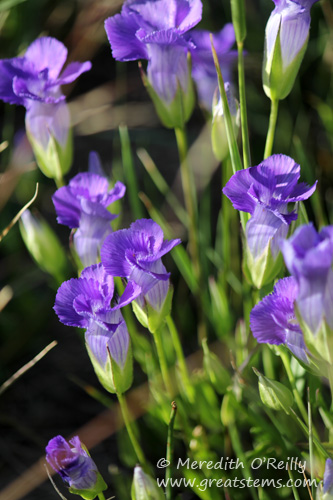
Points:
[(85, 302), (74, 465), (309, 256), (153, 30), (273, 319), (135, 254), (203, 67), (264, 191), (34, 81), (83, 205), (328, 478)]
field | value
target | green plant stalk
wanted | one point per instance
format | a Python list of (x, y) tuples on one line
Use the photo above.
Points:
[(271, 128), (232, 142), (189, 196), (163, 363), (180, 357), (243, 110), (127, 420), (295, 492), (310, 444), (286, 362), (192, 209), (129, 172), (236, 444), (169, 452), (101, 496), (163, 186)]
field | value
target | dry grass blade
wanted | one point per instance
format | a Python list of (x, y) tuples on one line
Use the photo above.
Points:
[(26, 367), (18, 215)]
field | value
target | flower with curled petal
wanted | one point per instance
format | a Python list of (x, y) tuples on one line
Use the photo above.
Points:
[(85, 302), (154, 30), (135, 254), (264, 191), (34, 81)]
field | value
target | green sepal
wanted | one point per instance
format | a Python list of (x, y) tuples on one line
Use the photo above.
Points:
[(54, 161), (274, 394), (93, 492), (319, 345), (278, 81), (217, 374), (176, 113), (144, 487), (44, 247), (114, 378), (238, 16), (151, 318), (262, 270)]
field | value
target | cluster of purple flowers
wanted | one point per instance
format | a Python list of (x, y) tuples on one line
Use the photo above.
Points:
[(302, 301), (134, 254)]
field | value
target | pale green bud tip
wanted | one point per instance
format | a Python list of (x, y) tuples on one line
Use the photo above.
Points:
[(274, 394), (144, 487)]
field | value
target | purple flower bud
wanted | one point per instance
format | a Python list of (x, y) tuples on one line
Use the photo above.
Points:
[(273, 319), (287, 33), (83, 205), (309, 256), (264, 191), (73, 463)]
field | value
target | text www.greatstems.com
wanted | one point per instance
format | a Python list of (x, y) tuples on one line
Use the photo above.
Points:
[(203, 484)]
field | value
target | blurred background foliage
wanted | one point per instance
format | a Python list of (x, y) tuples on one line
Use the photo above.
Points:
[(53, 397)]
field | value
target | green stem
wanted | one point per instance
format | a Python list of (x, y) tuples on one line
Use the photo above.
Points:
[(101, 496), (163, 363), (189, 195), (298, 399), (192, 209), (59, 182), (242, 96), (239, 452), (271, 128), (127, 420), (180, 357), (310, 443), (169, 452)]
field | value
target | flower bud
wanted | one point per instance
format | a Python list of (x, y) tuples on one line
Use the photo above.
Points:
[(43, 245), (145, 487), (75, 466), (287, 33), (274, 394), (219, 134), (217, 374)]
